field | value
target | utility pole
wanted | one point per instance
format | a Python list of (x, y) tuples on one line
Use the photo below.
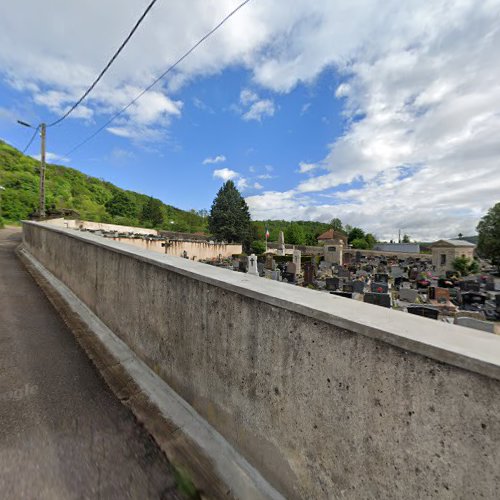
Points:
[(41, 210), (43, 129)]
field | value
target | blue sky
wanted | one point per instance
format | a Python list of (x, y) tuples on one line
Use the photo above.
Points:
[(385, 115), (265, 151)]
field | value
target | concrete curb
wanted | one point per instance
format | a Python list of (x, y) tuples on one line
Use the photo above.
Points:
[(189, 442)]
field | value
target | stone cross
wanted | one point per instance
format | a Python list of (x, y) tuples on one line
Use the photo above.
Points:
[(252, 265)]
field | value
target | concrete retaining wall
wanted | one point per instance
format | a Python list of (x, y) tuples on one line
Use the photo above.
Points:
[(326, 397)]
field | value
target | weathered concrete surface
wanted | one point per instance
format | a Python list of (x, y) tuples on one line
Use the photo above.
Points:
[(324, 404), (63, 434)]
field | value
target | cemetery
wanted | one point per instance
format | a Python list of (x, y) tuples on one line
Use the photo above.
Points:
[(414, 284)]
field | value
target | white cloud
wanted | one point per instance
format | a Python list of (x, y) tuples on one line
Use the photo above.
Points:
[(306, 167), (225, 174), (242, 184), (257, 185), (52, 157), (419, 85), (256, 108), (215, 159)]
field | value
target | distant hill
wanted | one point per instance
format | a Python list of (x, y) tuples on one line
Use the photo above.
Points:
[(94, 199), (69, 191)]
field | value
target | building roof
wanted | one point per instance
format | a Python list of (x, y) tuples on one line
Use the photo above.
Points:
[(452, 243), (332, 235)]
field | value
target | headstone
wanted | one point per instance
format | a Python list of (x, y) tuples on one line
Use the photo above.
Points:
[(408, 294), (243, 265), (378, 299), (342, 272), (439, 294), (425, 311), (308, 273), (297, 260), (348, 287), (358, 286), (381, 278), (347, 295), (291, 268), (379, 287), (485, 326), (396, 272), (469, 286), (260, 268), (413, 275), (252, 265), (332, 283), (270, 263), (358, 256), (275, 275)]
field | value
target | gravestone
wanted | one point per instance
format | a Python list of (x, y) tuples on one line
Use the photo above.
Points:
[(439, 294), (332, 283), (396, 272), (469, 286), (342, 272), (291, 268), (348, 287), (252, 265), (413, 275), (358, 286), (270, 263), (379, 287), (297, 260), (308, 273), (358, 256), (260, 268), (408, 294), (425, 311), (381, 278), (347, 295), (243, 265), (378, 299)]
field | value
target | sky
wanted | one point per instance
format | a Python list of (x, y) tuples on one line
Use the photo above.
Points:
[(384, 114)]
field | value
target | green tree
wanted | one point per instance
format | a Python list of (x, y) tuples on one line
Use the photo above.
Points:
[(121, 205), (355, 233), (152, 212), (294, 234), (336, 224), (360, 244), (258, 247), (229, 218), (488, 244), (371, 240), (465, 266), (406, 238)]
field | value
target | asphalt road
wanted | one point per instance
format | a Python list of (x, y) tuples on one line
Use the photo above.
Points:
[(63, 434)]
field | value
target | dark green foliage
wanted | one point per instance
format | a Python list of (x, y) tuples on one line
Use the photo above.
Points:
[(489, 235), (152, 213), (121, 205), (336, 225), (94, 199), (465, 266), (258, 247), (355, 233), (229, 218), (294, 234), (406, 238), (360, 244), (311, 229), (370, 240)]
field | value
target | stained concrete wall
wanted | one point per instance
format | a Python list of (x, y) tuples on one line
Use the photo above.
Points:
[(97, 226), (326, 397), (201, 250)]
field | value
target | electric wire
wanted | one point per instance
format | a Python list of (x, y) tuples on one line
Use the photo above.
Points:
[(165, 73), (110, 62), (32, 139)]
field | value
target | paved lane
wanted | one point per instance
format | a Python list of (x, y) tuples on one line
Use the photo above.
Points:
[(63, 434)]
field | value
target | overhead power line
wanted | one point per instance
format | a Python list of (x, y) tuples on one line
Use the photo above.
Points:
[(31, 140), (111, 61), (163, 75)]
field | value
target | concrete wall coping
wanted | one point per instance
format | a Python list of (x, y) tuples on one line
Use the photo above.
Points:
[(456, 345)]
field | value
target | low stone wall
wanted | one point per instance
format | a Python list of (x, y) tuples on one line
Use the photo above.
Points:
[(99, 226), (326, 397), (202, 250)]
